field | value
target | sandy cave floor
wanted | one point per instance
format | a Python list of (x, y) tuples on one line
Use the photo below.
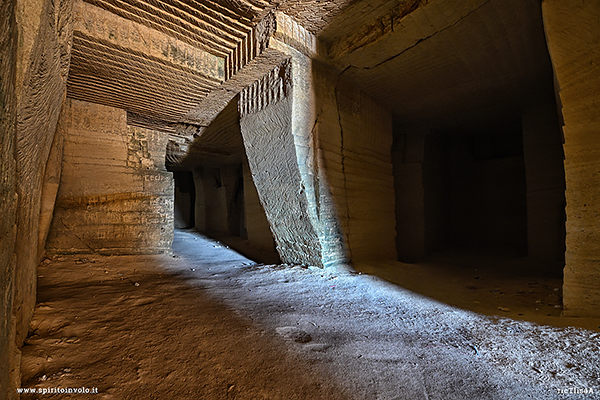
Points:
[(207, 323)]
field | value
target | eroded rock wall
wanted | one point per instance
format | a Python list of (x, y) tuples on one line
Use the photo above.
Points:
[(115, 194), (8, 198), (42, 63), (572, 33)]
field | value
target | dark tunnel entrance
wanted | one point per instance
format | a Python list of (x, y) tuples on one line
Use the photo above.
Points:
[(474, 184), (478, 165), (185, 199)]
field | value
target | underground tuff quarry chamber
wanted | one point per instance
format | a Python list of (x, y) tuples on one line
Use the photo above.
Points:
[(330, 133)]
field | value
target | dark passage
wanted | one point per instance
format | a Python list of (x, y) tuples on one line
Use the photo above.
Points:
[(185, 198), (475, 188)]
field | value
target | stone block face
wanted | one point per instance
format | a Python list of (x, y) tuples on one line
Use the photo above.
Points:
[(115, 195), (572, 33)]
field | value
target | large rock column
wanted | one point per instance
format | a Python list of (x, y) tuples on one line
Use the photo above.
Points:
[(320, 155), (115, 195), (266, 125), (572, 33)]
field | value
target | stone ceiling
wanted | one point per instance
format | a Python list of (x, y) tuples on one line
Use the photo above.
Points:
[(159, 59), (444, 58), (163, 61), (120, 58)]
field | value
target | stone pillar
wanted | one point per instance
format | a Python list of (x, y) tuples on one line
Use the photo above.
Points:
[(572, 33), (230, 174), (266, 126), (320, 155), (200, 204), (115, 195), (212, 207)]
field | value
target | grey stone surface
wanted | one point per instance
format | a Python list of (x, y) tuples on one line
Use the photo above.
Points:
[(267, 131)]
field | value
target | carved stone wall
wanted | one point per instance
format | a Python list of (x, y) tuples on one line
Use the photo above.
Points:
[(8, 198), (42, 58), (572, 32), (352, 137), (115, 194)]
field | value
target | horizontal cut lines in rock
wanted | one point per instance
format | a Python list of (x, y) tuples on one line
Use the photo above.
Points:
[(183, 21), (146, 122), (113, 96), (135, 77), (186, 76), (252, 9)]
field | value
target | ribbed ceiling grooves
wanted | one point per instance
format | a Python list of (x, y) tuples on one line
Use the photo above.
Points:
[(143, 121), (204, 24), (104, 73), (120, 59)]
